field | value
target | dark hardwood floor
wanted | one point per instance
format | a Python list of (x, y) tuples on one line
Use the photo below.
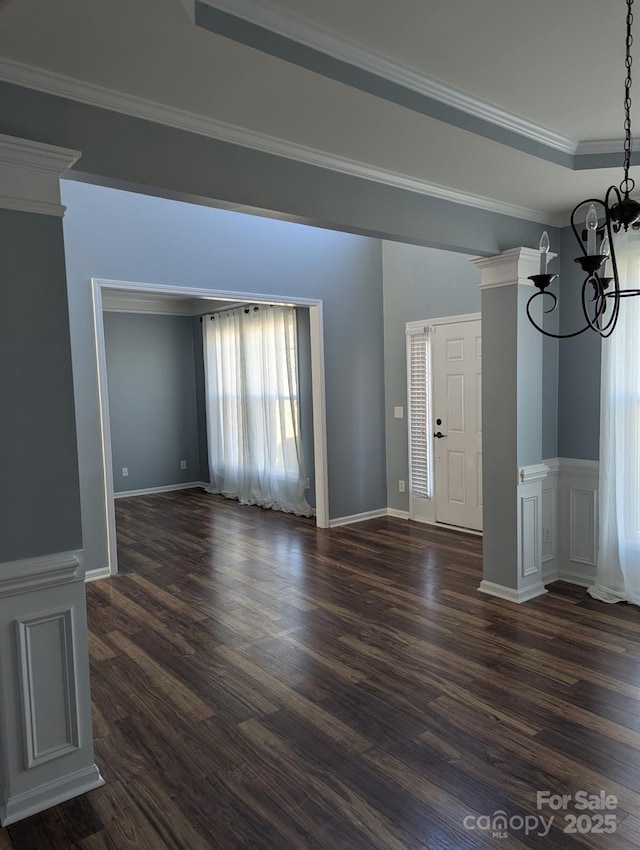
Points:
[(260, 683)]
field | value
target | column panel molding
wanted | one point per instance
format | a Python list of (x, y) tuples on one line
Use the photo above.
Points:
[(46, 755)]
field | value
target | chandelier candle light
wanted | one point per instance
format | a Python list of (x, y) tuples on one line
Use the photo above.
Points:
[(601, 286)]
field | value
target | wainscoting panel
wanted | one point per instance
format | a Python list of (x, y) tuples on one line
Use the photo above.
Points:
[(529, 534), (549, 518), (570, 521), (582, 525), (47, 676), (530, 482), (46, 742)]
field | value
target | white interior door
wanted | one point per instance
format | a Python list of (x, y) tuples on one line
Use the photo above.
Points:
[(457, 421)]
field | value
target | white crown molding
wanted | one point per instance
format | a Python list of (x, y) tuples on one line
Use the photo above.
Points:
[(36, 156), (30, 574), (113, 302), (603, 146), (137, 107), (30, 175), (453, 320), (510, 267), (264, 15)]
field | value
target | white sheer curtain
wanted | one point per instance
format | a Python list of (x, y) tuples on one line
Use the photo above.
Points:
[(253, 420), (618, 575)]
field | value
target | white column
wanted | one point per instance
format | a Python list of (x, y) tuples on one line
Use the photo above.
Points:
[(46, 746), (511, 427)]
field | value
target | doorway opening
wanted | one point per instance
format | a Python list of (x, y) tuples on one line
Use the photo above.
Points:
[(102, 288)]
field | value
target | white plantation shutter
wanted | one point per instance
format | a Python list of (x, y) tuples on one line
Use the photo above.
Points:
[(419, 415)]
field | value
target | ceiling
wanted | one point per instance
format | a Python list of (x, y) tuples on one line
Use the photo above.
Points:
[(506, 104)]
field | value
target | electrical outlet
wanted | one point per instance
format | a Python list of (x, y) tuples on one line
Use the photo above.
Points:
[(183, 464), (398, 412), (307, 483), (546, 535), (401, 486), (125, 471)]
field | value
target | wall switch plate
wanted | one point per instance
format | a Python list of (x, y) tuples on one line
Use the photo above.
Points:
[(546, 535), (398, 412), (125, 471), (183, 464), (401, 486)]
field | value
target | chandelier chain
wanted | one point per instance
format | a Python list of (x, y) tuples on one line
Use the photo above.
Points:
[(603, 287), (627, 185)]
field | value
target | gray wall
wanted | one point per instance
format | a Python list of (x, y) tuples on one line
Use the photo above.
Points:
[(419, 283), (125, 151), (550, 373), (131, 237), (151, 377), (39, 497), (131, 152), (579, 372)]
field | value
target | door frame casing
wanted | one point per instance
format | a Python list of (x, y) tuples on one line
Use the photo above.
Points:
[(428, 325), (99, 285)]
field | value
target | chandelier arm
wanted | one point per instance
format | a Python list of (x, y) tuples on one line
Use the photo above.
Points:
[(573, 217), (600, 306), (542, 330)]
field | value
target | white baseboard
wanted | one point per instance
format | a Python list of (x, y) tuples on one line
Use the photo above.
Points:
[(50, 794), (167, 488), (445, 527), (572, 576), (97, 573), (398, 514), (350, 520), (510, 593)]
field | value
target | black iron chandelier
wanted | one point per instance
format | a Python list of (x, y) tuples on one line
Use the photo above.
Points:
[(601, 292)]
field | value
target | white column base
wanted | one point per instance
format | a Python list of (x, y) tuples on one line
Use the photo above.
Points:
[(50, 794), (510, 593)]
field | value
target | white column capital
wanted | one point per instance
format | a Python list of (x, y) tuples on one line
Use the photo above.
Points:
[(30, 175), (510, 267)]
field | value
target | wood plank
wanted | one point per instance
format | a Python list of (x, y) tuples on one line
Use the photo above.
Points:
[(261, 683)]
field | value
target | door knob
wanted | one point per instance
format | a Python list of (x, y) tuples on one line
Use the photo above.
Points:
[(439, 435)]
